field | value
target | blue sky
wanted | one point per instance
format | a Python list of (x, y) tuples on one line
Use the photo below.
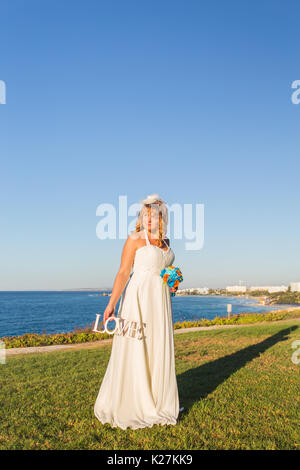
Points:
[(191, 100)]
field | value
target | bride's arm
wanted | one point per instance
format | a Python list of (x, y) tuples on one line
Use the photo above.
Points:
[(123, 274)]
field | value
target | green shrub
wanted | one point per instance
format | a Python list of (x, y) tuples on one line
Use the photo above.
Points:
[(35, 339), (240, 319)]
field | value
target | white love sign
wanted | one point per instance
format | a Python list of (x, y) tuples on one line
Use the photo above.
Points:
[(129, 328)]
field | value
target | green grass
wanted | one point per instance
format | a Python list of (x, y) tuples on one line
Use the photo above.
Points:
[(239, 388)]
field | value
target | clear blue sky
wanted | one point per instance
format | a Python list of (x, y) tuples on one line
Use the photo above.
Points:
[(190, 99)]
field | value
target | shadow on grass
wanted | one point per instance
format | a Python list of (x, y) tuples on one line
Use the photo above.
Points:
[(197, 383)]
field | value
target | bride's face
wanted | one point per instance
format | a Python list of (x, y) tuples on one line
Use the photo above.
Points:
[(150, 219)]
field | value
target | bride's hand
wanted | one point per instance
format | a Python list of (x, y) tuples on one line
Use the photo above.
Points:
[(174, 289), (108, 312)]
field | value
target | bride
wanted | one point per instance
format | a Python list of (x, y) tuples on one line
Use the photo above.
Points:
[(139, 388)]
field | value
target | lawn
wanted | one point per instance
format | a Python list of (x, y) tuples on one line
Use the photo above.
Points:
[(239, 387)]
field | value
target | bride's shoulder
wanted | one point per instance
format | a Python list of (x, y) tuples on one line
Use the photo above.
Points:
[(134, 235), (133, 241)]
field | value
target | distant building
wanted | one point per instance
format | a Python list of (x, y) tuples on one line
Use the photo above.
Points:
[(194, 290), (253, 288), (203, 290), (278, 289), (270, 289), (184, 291), (295, 286), (236, 288)]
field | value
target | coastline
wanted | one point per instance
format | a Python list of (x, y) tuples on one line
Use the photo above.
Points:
[(95, 344), (246, 305), (84, 336), (244, 296)]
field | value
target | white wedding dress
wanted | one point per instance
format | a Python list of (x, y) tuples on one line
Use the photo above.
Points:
[(139, 388)]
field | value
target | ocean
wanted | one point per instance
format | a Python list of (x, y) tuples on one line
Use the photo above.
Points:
[(57, 312)]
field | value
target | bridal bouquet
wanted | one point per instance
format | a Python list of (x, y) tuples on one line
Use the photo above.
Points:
[(171, 276)]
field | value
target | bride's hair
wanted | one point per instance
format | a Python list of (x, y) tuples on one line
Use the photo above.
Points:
[(155, 203)]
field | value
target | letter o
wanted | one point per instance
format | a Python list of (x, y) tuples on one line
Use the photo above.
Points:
[(110, 332)]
